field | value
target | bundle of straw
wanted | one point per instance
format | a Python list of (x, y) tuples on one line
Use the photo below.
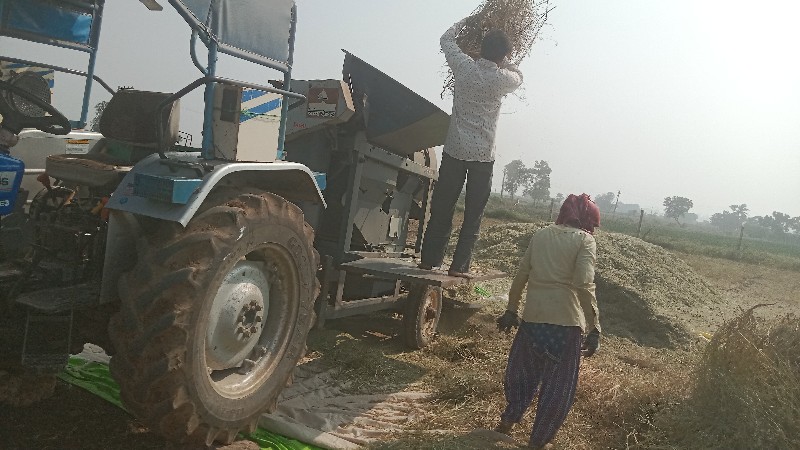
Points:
[(520, 19)]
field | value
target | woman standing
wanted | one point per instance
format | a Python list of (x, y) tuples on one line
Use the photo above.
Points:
[(560, 305)]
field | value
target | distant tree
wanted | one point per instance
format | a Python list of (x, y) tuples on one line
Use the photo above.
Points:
[(724, 220), (730, 220), (605, 201), (675, 207), (98, 113), (756, 230), (795, 224), (514, 175), (783, 220), (537, 184), (740, 211), (559, 199), (778, 222)]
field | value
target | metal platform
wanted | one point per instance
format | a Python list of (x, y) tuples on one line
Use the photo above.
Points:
[(407, 270), (9, 273), (57, 300)]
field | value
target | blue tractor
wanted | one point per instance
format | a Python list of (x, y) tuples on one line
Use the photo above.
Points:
[(196, 273), (201, 270)]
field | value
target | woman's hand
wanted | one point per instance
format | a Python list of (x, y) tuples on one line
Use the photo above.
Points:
[(508, 321), (591, 343)]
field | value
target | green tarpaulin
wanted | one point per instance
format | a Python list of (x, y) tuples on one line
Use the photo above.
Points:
[(96, 378)]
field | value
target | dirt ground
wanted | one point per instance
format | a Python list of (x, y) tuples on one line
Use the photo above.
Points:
[(75, 419), (746, 285)]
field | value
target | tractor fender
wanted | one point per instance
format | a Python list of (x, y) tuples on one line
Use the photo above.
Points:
[(293, 181)]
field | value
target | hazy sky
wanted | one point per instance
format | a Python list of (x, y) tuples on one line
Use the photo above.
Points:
[(694, 98)]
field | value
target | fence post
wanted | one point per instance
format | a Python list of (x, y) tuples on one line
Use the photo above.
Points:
[(503, 183), (741, 234), (641, 217)]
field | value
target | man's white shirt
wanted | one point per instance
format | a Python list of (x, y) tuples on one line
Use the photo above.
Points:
[(480, 86)]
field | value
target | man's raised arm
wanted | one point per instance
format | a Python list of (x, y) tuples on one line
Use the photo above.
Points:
[(452, 52)]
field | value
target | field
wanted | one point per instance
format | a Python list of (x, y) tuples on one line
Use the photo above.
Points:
[(692, 366)]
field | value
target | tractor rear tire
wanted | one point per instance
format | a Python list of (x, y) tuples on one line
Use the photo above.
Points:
[(214, 317), (421, 315)]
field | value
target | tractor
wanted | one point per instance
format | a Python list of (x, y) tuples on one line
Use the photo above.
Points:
[(200, 271)]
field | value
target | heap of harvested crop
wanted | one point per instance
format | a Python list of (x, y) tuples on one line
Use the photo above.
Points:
[(520, 19), (645, 293)]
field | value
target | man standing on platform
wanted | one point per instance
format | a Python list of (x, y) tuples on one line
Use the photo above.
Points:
[(468, 154)]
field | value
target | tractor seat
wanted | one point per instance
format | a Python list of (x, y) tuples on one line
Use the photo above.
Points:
[(129, 127), (94, 169)]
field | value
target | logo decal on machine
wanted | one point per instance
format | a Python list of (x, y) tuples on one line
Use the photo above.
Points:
[(7, 181), (77, 146), (322, 102)]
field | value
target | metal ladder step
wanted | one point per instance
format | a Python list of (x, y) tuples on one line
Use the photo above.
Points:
[(9, 273), (62, 299), (48, 326), (47, 339)]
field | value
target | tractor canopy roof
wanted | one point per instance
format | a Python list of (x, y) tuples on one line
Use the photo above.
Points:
[(67, 23), (249, 29), (259, 31), (252, 29)]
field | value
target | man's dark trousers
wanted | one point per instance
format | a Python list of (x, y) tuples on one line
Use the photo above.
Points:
[(452, 174)]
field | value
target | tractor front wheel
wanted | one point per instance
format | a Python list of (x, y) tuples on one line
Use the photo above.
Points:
[(214, 317)]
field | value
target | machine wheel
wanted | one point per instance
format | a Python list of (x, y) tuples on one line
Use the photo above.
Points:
[(214, 317), (421, 316)]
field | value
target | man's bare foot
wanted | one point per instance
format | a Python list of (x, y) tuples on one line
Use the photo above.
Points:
[(544, 447), (491, 436), (504, 427), (453, 273)]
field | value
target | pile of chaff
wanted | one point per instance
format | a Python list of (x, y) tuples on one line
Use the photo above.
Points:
[(645, 293), (522, 20)]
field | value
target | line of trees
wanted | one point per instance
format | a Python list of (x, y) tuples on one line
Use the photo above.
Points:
[(534, 181), (535, 184), (778, 222), (736, 217), (676, 207)]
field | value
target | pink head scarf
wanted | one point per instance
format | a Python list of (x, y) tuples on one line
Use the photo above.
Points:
[(579, 211)]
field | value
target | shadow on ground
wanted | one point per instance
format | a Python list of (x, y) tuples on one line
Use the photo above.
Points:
[(624, 313)]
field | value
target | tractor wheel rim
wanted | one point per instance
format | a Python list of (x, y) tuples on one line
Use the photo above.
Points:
[(237, 316)]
